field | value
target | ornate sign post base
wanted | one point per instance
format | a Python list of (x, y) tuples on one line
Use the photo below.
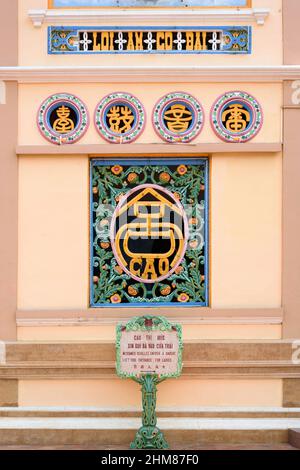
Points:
[(149, 350), (149, 436)]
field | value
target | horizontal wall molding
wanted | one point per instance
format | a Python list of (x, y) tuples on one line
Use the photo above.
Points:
[(93, 360), (151, 73), (125, 16), (186, 316), (147, 149), (162, 411)]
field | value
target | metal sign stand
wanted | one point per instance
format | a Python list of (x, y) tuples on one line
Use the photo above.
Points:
[(149, 436)]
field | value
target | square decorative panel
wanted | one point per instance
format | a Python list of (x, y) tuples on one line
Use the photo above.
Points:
[(148, 232)]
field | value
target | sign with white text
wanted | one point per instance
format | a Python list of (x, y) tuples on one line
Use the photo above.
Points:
[(149, 40)]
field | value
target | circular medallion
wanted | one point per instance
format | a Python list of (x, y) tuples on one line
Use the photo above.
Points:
[(120, 118), (149, 233), (236, 116), (178, 117), (63, 118)]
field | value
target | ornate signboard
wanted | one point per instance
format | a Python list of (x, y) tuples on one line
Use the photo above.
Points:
[(149, 40), (149, 350), (149, 232), (149, 345)]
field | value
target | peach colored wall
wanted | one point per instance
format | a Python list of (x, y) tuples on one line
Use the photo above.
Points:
[(53, 233), (9, 33), (126, 393), (8, 204), (245, 222), (32, 95), (291, 168), (291, 227), (291, 40), (105, 332), (8, 173), (246, 231), (267, 44)]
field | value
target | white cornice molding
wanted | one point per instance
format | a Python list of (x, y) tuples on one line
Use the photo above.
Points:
[(125, 16), (148, 148), (155, 74), (36, 322), (109, 316)]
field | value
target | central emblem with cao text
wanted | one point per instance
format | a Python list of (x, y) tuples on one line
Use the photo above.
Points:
[(149, 233)]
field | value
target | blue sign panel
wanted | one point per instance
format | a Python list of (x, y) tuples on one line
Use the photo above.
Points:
[(149, 40)]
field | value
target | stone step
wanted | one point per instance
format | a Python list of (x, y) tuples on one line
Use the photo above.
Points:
[(294, 438), (209, 446), (187, 412), (121, 431)]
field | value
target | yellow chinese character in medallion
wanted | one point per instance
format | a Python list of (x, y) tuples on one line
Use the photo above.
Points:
[(63, 123), (120, 119), (177, 118), (236, 118)]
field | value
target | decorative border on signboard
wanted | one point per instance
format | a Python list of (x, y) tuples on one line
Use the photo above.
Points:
[(148, 323), (191, 104), (77, 106), (80, 40), (120, 99), (250, 103)]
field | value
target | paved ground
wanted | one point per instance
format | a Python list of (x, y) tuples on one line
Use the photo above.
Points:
[(204, 447)]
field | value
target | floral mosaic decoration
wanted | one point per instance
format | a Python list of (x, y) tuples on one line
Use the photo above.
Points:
[(109, 283)]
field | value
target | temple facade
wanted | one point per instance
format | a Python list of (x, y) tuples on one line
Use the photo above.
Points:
[(150, 166)]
